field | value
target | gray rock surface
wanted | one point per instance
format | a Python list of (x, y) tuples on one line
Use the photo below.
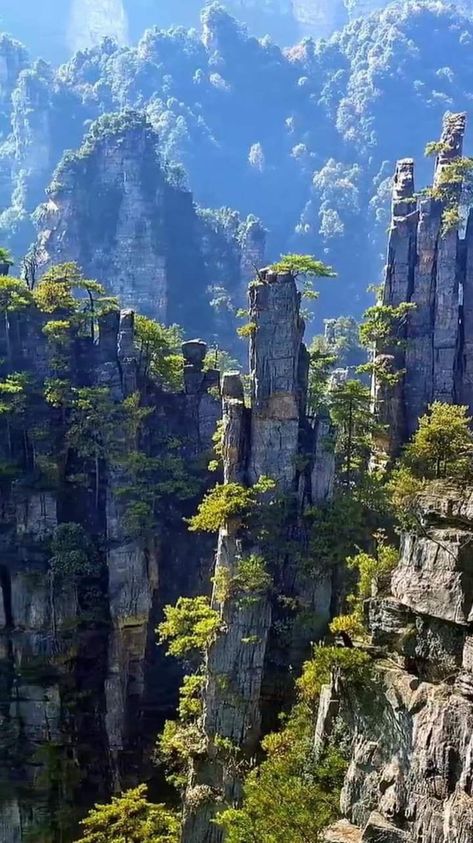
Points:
[(411, 766)]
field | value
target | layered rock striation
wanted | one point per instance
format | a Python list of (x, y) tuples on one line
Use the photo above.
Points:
[(120, 213)]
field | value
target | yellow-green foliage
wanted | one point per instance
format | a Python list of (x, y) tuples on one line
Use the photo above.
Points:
[(217, 440), (251, 578), (291, 796), (403, 488), (13, 393), (176, 745), (189, 627), (226, 502), (190, 697), (159, 348), (453, 187), (58, 392), (351, 624), (251, 575), (57, 330), (353, 665), (14, 294), (247, 331), (383, 323), (130, 817), (442, 445), (6, 256), (303, 265), (371, 572), (57, 291)]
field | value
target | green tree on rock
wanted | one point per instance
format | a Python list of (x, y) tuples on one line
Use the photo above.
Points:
[(443, 444), (130, 818), (350, 406)]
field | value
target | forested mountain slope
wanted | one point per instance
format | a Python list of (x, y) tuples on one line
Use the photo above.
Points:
[(305, 139), (74, 24)]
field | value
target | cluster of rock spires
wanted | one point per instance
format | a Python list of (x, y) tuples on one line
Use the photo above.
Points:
[(264, 440), (433, 270), (411, 769), (88, 693)]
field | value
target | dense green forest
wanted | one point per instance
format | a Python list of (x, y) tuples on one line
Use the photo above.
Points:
[(305, 138)]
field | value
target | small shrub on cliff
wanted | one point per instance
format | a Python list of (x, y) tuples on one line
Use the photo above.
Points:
[(73, 552), (373, 571), (453, 187), (159, 350), (353, 665), (226, 502), (190, 697), (130, 817), (349, 624), (252, 577), (176, 745), (442, 446), (383, 324), (189, 626)]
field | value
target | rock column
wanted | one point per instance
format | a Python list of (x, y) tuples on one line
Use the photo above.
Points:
[(263, 441), (429, 267)]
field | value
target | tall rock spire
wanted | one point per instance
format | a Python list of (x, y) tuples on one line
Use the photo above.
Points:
[(261, 441), (426, 266)]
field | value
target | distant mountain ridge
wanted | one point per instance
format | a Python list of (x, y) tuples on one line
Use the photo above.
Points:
[(68, 25)]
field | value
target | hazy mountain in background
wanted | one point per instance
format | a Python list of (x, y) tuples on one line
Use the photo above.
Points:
[(63, 26), (305, 139)]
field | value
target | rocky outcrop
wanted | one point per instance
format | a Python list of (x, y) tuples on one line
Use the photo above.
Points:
[(411, 764), (83, 687), (264, 441), (428, 266), (138, 230), (13, 59)]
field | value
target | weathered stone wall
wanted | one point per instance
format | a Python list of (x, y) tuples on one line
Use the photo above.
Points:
[(411, 762), (83, 689)]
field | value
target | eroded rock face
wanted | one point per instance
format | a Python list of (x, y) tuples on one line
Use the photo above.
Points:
[(411, 769), (83, 687), (137, 230)]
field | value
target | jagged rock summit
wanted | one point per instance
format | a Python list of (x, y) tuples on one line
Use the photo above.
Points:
[(123, 216), (431, 267), (262, 441)]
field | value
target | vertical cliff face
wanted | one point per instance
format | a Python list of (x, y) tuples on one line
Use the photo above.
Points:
[(83, 687), (430, 267), (13, 59), (245, 662), (410, 774), (115, 210)]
